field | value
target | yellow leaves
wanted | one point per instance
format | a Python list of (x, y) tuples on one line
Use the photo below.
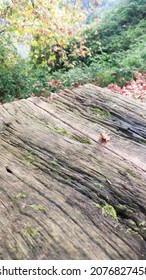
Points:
[(60, 41), (67, 64), (29, 29), (50, 23), (51, 20), (42, 38), (10, 58), (43, 63), (51, 59), (20, 30), (34, 43), (83, 53)]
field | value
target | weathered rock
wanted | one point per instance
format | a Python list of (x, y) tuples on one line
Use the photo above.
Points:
[(66, 193)]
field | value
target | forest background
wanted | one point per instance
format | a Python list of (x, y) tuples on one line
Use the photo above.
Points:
[(71, 43)]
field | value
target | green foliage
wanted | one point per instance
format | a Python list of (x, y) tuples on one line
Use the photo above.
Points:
[(105, 52), (117, 43), (116, 46), (17, 79), (50, 27), (10, 76)]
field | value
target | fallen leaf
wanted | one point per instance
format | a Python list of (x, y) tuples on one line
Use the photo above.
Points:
[(103, 137)]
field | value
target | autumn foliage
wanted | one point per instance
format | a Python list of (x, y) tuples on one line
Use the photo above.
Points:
[(47, 26), (135, 88), (65, 51)]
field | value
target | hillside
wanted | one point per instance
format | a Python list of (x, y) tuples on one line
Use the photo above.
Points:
[(117, 43), (108, 51), (114, 52)]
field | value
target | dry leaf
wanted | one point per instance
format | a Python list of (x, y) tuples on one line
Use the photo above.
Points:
[(103, 137)]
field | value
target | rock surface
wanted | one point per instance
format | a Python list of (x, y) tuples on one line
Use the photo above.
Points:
[(73, 177)]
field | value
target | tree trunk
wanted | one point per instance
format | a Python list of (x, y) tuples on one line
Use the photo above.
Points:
[(73, 176)]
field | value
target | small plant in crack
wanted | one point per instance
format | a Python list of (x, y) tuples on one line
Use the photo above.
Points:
[(29, 231), (107, 210), (22, 195), (37, 207)]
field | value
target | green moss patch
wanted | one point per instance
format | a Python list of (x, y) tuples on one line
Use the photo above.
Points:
[(22, 195), (130, 171), (29, 231), (100, 112), (37, 207), (107, 210), (60, 131)]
